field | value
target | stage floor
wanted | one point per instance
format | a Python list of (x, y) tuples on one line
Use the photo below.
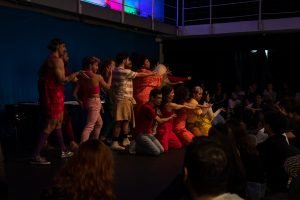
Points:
[(136, 177)]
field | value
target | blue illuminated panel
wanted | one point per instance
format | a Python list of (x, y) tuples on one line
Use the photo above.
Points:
[(137, 7), (96, 2)]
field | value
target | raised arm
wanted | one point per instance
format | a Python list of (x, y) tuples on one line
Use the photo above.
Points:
[(105, 85)]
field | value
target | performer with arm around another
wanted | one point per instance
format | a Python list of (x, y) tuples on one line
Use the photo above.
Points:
[(51, 90), (123, 98), (147, 121), (91, 100)]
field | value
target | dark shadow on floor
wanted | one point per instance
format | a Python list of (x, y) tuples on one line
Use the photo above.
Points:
[(136, 177)]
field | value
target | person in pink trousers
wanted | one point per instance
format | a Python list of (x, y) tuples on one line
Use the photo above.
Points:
[(91, 96)]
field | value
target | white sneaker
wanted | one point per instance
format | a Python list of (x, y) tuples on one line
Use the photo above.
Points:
[(39, 161), (66, 154), (126, 142), (131, 148), (115, 146)]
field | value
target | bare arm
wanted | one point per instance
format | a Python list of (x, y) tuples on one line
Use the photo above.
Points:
[(191, 105), (167, 81), (72, 77), (219, 111), (161, 120), (106, 85), (59, 70), (142, 74), (205, 105), (175, 106), (75, 93)]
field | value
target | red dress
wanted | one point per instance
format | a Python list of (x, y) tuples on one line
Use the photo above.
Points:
[(165, 134), (179, 128), (142, 87), (51, 93)]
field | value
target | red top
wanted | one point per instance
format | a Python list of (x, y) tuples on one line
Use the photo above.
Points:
[(94, 90), (145, 121), (142, 87)]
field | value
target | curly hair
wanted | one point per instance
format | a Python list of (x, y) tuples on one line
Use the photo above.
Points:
[(86, 61), (88, 174)]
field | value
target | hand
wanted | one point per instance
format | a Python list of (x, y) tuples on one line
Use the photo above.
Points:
[(75, 79), (154, 73), (208, 104), (110, 70), (83, 74), (222, 109), (169, 72)]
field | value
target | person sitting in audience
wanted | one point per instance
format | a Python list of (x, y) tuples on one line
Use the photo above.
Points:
[(87, 175), (225, 135), (294, 190), (219, 97), (206, 171), (247, 153), (269, 94), (275, 150)]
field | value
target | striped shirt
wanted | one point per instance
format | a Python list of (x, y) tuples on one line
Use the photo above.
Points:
[(122, 83)]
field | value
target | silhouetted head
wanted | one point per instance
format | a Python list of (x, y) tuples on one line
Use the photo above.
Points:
[(206, 167), (54, 43), (89, 60)]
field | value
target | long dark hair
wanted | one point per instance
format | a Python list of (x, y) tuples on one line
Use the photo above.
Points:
[(89, 173)]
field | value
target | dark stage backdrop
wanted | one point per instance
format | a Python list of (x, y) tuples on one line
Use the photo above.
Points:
[(24, 37), (230, 59)]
